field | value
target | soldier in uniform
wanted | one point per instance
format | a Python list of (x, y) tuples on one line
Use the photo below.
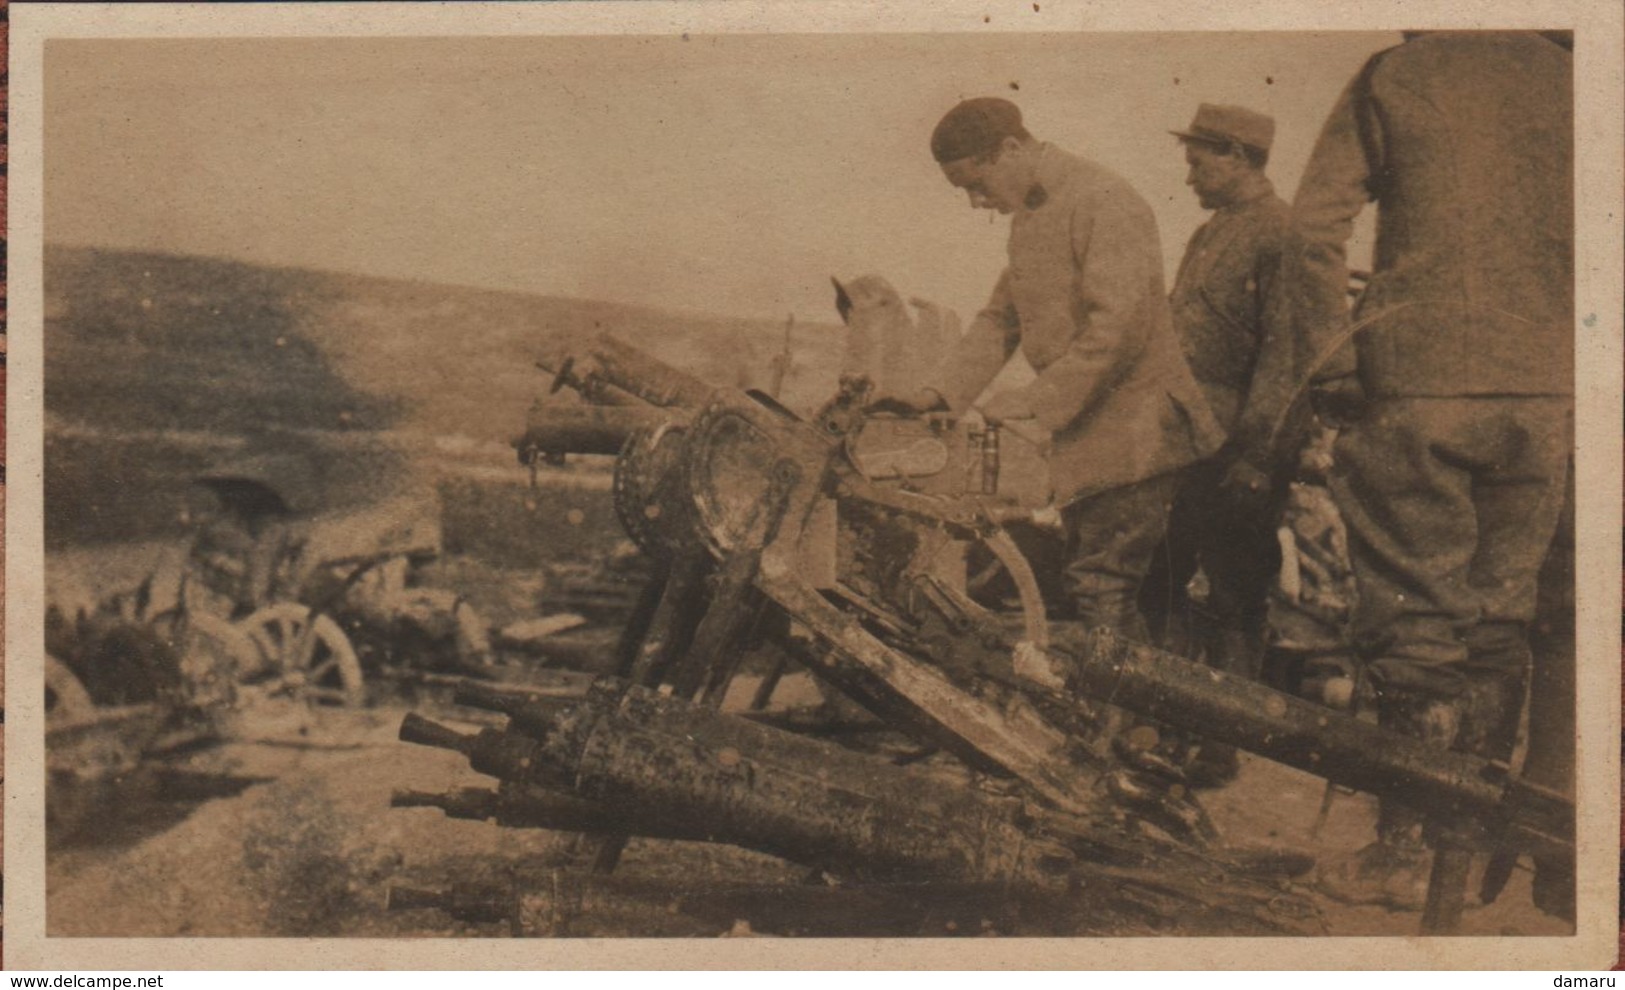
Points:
[(1458, 395), (1232, 324), (1082, 298)]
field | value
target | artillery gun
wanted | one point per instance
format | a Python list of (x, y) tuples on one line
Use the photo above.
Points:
[(767, 528)]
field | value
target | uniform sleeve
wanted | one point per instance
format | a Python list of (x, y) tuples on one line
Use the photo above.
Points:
[(978, 357), (1340, 180), (1268, 426), (1114, 244)]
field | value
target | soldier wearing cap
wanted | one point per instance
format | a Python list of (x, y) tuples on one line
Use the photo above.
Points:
[(1082, 299), (1458, 392), (1230, 319)]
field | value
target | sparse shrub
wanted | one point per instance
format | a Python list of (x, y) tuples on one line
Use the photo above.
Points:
[(294, 852)]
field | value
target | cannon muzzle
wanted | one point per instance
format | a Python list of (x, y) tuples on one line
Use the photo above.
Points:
[(420, 731)]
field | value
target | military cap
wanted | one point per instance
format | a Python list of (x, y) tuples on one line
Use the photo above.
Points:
[(975, 127), (1217, 124)]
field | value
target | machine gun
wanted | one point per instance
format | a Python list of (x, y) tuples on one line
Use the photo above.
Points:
[(769, 528)]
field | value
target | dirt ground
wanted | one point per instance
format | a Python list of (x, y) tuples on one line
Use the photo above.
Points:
[(290, 833), (286, 830)]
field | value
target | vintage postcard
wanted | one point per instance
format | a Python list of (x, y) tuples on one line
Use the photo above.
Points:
[(780, 485)]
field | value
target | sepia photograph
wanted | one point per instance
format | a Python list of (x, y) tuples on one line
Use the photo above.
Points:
[(607, 475)]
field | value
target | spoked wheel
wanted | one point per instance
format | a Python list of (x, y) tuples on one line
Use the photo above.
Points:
[(300, 658), (213, 653)]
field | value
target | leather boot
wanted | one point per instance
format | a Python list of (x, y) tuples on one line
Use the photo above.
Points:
[(1393, 871), (1497, 685), (1490, 712)]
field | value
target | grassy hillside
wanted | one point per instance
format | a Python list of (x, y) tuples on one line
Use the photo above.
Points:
[(157, 367), (158, 341)]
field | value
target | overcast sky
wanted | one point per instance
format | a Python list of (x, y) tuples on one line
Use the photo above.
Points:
[(728, 174)]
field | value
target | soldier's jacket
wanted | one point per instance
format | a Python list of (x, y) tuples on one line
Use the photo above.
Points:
[(1232, 320), (1466, 141), (1083, 298)]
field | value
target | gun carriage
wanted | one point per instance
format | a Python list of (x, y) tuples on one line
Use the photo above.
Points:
[(827, 549)]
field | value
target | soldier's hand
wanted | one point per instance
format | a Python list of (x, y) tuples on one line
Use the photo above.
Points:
[(1338, 402), (1245, 481)]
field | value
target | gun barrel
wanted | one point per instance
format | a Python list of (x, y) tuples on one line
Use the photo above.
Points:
[(512, 700), (416, 799), (521, 806), (647, 765), (590, 429), (420, 731), (470, 803), (1289, 730), (655, 382)]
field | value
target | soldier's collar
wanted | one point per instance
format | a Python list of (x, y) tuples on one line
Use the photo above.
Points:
[(1254, 192), (1038, 192)]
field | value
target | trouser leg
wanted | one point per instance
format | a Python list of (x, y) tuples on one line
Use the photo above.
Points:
[(1241, 556), (1236, 547), (1411, 534), (1450, 504), (1519, 498), (1111, 539), (1164, 597)]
